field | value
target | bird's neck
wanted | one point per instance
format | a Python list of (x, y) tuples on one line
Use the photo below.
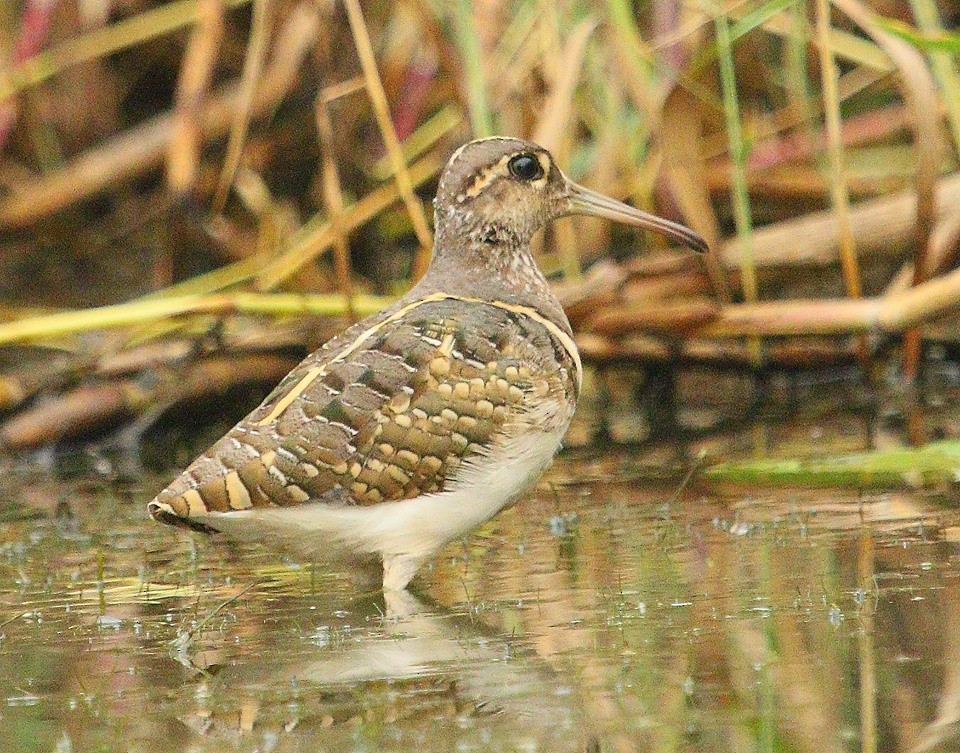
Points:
[(489, 261)]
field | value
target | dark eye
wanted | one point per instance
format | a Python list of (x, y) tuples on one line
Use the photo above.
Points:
[(525, 167)]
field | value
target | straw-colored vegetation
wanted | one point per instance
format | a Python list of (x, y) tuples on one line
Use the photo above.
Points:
[(173, 177)]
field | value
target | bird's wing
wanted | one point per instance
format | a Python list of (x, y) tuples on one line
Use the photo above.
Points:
[(389, 410)]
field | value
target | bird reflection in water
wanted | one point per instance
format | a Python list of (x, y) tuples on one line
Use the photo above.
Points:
[(389, 667)]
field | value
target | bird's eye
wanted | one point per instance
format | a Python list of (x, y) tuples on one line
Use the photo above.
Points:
[(525, 167)]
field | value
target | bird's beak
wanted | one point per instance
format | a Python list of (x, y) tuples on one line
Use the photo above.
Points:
[(584, 201)]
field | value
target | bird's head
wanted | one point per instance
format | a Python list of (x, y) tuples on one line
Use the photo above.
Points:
[(500, 191)]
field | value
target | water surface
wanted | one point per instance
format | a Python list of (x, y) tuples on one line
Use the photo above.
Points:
[(607, 612)]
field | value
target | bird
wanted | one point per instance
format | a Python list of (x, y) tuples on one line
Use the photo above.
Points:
[(419, 423)]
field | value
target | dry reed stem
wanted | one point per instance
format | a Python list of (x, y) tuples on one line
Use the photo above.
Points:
[(549, 43), (595, 233), (92, 406), (514, 42), (141, 149), (106, 362), (196, 74), (552, 130), (890, 314), (882, 226), (132, 153), (789, 354), (800, 182), (675, 317), (513, 73), (159, 309), (314, 243), (797, 317), (252, 68), (923, 302), (600, 283), (378, 98), (343, 88), (12, 392), (515, 36), (333, 198), (558, 109), (927, 15), (839, 194), (636, 58), (423, 138), (920, 93), (656, 263), (942, 254), (644, 72), (674, 285), (79, 410), (839, 190), (680, 137), (893, 314)]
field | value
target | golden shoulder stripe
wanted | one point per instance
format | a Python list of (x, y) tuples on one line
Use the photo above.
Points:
[(284, 402)]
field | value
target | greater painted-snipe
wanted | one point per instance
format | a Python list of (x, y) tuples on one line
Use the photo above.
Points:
[(420, 422)]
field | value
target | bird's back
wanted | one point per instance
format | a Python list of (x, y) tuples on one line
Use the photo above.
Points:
[(396, 407)]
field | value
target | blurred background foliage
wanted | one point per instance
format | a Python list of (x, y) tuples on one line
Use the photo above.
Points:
[(181, 182)]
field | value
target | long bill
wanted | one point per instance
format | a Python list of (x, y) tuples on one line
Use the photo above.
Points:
[(585, 201)]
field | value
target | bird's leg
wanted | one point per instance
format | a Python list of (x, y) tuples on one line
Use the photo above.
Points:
[(399, 605), (398, 570)]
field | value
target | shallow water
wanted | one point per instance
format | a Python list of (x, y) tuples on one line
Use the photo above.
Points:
[(607, 612)]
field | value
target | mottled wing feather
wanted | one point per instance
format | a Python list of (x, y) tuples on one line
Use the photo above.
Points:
[(390, 419)]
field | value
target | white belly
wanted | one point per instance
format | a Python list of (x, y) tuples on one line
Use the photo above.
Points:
[(410, 528)]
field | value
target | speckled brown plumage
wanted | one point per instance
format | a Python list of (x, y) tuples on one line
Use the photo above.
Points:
[(392, 419)]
